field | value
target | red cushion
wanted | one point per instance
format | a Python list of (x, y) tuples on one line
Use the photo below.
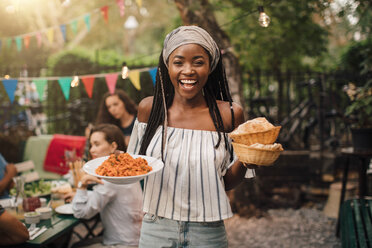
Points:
[(58, 152)]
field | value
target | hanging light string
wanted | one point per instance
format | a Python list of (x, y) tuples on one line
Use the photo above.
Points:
[(246, 14), (100, 75)]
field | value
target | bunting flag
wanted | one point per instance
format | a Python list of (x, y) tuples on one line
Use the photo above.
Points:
[(74, 26), (63, 31), (65, 82), (153, 74), (40, 86), (26, 41), (87, 21), (50, 35), (10, 86), (39, 39), (18, 43), (111, 81), (25, 38), (121, 7), (139, 3), (9, 42), (104, 12), (134, 76), (88, 83)]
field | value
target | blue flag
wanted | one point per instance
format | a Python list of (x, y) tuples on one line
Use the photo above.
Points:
[(10, 86), (153, 74)]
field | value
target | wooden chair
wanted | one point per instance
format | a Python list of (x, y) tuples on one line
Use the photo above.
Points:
[(27, 170)]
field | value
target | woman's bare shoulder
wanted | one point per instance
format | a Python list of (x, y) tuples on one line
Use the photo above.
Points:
[(144, 109), (225, 111)]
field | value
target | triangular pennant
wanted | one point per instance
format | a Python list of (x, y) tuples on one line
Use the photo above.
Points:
[(18, 43), (121, 7), (88, 82), (9, 42), (39, 39), (26, 41), (63, 31), (134, 76), (65, 82), (153, 74), (40, 85), (50, 35), (104, 12), (87, 21), (111, 81), (74, 26), (10, 86), (139, 3)]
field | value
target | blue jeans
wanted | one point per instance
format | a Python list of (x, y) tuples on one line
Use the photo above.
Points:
[(159, 232)]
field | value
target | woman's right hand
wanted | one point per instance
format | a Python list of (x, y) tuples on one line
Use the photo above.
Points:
[(88, 179), (69, 196)]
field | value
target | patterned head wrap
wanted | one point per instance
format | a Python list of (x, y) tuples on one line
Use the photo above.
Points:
[(191, 34)]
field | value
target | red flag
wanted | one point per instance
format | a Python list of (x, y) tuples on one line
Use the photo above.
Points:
[(111, 81), (26, 41), (104, 11), (88, 82)]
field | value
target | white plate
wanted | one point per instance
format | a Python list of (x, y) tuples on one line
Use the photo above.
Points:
[(65, 209), (91, 166)]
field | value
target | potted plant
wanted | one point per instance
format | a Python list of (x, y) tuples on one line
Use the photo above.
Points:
[(359, 112)]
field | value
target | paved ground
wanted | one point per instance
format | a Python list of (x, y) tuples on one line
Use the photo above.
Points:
[(303, 228), (280, 228)]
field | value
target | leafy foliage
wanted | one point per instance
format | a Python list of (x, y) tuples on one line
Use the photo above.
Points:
[(291, 35)]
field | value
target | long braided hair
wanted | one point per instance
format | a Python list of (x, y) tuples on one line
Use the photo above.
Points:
[(215, 89)]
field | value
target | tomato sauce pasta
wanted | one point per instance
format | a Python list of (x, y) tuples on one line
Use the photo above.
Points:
[(123, 165)]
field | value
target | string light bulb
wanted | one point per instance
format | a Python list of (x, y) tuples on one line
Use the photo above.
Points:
[(7, 76), (124, 71), (263, 19), (75, 81)]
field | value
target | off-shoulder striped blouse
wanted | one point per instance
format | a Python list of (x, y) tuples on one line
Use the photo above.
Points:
[(190, 187)]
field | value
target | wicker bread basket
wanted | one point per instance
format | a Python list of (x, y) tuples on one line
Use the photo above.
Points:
[(255, 156), (265, 137)]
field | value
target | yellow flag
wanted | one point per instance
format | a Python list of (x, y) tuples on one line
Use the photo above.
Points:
[(134, 76), (139, 3), (50, 34)]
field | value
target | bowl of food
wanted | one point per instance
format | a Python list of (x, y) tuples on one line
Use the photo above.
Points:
[(124, 168), (32, 217), (45, 212)]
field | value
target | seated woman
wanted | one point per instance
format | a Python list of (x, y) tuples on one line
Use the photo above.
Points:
[(120, 206), (118, 109), (7, 172)]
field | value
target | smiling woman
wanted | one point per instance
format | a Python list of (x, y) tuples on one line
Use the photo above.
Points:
[(185, 124)]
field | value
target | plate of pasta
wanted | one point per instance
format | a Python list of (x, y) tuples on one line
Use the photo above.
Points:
[(123, 168)]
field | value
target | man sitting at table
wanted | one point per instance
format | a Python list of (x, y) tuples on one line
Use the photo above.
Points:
[(12, 231), (7, 172)]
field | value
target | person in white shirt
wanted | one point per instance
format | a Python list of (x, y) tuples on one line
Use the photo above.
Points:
[(119, 206)]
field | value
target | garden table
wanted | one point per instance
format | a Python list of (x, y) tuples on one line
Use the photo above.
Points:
[(59, 229)]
